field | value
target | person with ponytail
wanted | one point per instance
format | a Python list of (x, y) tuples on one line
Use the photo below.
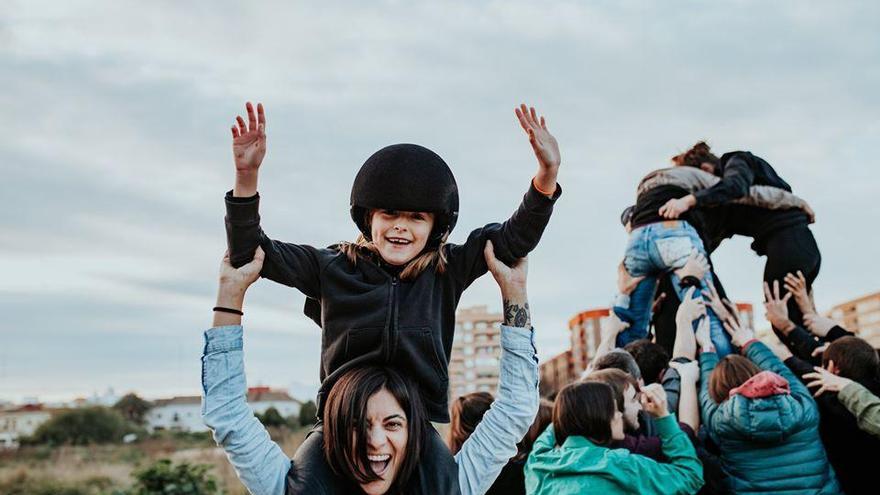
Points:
[(780, 232), (389, 298)]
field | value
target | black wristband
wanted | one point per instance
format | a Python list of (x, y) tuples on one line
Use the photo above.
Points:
[(228, 310), (690, 281)]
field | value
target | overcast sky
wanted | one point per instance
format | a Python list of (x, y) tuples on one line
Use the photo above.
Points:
[(115, 150)]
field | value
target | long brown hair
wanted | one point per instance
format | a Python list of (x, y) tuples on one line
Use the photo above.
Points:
[(363, 248), (466, 413), (345, 426), (731, 372), (584, 409)]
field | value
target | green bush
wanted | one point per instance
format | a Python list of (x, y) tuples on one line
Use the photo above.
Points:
[(271, 418), (133, 408), (165, 478), (82, 427), (23, 484), (308, 413)]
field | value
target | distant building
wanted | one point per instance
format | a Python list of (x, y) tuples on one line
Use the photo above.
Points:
[(185, 413), (556, 373), (177, 414), (19, 422), (567, 366), (862, 316), (476, 352), (746, 314)]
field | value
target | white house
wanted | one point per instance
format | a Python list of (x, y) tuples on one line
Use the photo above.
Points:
[(20, 422), (185, 413), (177, 414)]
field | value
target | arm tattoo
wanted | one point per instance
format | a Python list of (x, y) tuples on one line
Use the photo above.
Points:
[(516, 315)]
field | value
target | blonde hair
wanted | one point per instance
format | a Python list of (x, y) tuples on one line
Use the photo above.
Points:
[(435, 257)]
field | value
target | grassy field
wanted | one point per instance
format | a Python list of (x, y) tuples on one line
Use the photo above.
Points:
[(102, 469)]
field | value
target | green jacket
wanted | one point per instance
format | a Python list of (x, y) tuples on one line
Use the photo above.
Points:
[(580, 466), (769, 444), (864, 405)]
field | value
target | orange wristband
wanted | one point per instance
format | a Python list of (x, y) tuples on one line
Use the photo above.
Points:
[(535, 185)]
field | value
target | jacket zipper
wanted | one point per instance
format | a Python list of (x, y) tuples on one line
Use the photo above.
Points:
[(392, 324)]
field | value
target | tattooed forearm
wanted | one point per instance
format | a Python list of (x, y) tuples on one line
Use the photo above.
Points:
[(516, 315)]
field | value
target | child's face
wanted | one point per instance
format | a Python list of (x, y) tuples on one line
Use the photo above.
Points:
[(400, 236)]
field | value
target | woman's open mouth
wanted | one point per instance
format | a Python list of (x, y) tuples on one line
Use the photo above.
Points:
[(379, 463)]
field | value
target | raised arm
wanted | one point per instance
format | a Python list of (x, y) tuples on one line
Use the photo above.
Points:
[(519, 235), (259, 462), (485, 453)]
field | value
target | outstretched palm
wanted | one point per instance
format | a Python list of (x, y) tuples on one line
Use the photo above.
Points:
[(249, 139), (543, 143)]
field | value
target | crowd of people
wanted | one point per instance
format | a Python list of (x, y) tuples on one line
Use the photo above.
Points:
[(680, 397)]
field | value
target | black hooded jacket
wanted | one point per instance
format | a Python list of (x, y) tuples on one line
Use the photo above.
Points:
[(370, 316), (740, 170)]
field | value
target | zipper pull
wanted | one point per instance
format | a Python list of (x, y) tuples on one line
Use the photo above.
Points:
[(393, 280)]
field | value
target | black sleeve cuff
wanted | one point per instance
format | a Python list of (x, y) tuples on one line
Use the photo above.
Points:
[(242, 211)]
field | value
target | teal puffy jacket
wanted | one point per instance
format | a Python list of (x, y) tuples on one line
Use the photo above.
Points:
[(769, 444)]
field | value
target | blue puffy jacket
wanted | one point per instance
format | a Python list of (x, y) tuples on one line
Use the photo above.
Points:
[(768, 444)]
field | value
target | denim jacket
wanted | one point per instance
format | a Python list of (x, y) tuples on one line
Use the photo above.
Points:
[(262, 466)]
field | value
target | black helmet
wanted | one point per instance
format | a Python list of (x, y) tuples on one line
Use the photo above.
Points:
[(406, 177)]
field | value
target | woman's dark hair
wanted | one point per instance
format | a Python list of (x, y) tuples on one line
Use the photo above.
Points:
[(854, 357), (542, 419), (345, 425), (584, 409), (699, 154), (731, 372), (652, 359), (466, 413)]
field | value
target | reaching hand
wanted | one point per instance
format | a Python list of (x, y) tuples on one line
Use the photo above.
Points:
[(689, 371), (703, 335), (509, 278), (690, 308), (610, 327), (777, 308), (654, 400), (695, 266), (235, 281), (721, 308), (797, 285), (819, 351), (738, 335), (811, 215), (626, 283), (818, 325), (249, 140), (674, 208), (826, 380), (543, 143)]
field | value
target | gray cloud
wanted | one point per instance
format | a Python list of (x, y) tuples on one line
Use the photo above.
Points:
[(116, 147)]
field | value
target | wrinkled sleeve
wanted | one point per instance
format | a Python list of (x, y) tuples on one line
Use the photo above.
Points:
[(683, 474), (260, 463), (493, 442), (513, 239), (771, 198), (708, 407), (734, 184), (864, 405), (294, 265)]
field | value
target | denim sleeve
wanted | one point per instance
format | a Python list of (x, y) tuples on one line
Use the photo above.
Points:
[(260, 464), (494, 440)]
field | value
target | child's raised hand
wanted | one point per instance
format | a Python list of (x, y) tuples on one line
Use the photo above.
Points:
[(249, 140), (544, 144)]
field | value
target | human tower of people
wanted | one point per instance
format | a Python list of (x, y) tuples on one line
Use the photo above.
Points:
[(680, 397)]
